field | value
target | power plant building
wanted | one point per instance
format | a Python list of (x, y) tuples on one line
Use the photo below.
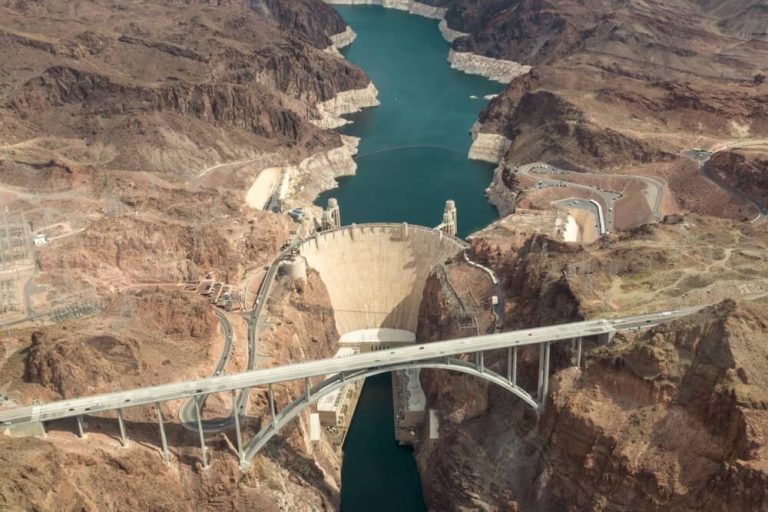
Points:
[(335, 409)]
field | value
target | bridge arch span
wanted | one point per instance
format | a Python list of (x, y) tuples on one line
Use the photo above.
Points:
[(297, 406)]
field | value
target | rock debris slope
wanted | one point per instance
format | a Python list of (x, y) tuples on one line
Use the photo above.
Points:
[(672, 418)]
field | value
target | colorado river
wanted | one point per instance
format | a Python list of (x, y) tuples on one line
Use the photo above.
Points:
[(412, 157)]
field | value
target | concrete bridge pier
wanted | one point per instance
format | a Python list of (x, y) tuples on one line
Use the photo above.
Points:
[(464, 355), (121, 424), (272, 406), (163, 439), (203, 449), (239, 435), (543, 385), (80, 428), (512, 365), (578, 343)]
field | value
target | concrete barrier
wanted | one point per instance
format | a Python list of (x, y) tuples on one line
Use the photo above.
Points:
[(375, 273)]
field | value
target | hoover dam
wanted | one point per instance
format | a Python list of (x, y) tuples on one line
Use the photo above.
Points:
[(375, 273), (544, 294), (412, 158)]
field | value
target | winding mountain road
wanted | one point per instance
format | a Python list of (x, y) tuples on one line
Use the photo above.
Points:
[(188, 411), (703, 157), (547, 175)]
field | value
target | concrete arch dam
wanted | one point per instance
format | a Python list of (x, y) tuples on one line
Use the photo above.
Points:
[(375, 273)]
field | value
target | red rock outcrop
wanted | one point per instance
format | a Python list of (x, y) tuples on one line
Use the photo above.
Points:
[(620, 87), (180, 87), (113, 351), (672, 418), (130, 249), (115, 116), (175, 332), (745, 170)]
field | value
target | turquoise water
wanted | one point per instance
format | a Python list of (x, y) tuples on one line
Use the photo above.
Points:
[(413, 152), (377, 475), (412, 157)]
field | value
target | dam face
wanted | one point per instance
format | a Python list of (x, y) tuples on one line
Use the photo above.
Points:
[(375, 273)]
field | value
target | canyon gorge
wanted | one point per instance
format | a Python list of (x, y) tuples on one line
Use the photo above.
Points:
[(149, 141)]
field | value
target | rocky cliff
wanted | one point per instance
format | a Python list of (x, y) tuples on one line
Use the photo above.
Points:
[(129, 134), (173, 338), (617, 87), (666, 419), (743, 169), (179, 87), (315, 21), (614, 126), (177, 338), (673, 419)]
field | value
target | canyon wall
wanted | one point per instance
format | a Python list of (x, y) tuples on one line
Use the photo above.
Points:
[(346, 102), (200, 100), (175, 340), (139, 126), (746, 170), (622, 92), (474, 63), (318, 173), (413, 7), (670, 418), (489, 147), (500, 70), (343, 39)]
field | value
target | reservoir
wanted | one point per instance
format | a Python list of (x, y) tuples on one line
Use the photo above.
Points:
[(413, 148), (412, 157)]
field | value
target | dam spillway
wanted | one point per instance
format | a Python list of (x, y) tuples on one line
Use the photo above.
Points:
[(375, 273)]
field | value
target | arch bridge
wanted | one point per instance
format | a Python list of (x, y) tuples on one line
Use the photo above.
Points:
[(440, 355)]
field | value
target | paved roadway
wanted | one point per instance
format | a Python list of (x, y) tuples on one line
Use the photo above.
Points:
[(538, 172), (411, 354), (188, 411), (702, 158)]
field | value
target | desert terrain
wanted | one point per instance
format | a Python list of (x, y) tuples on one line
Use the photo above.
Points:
[(622, 88), (143, 144), (130, 135)]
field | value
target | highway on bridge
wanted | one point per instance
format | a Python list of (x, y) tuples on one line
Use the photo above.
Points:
[(411, 354)]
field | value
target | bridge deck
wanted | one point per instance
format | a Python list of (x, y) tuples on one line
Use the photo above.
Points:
[(396, 356)]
